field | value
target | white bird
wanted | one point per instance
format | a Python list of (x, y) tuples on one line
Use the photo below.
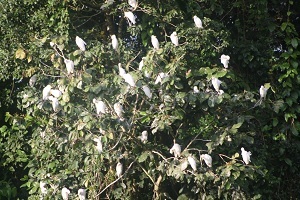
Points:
[(132, 3), (114, 42), (246, 156), (46, 92), (207, 159), (118, 109), (141, 64), (99, 144), (154, 42), (55, 103), (147, 91), (52, 44), (81, 194), (174, 38), (144, 136), (32, 80), (119, 169), (263, 92), (192, 162), (122, 71), (100, 106), (216, 83), (43, 188), (65, 193), (175, 150), (198, 22), (55, 93), (196, 90), (225, 60), (147, 74), (160, 77), (80, 43), (184, 165), (69, 66), (129, 79), (130, 16)]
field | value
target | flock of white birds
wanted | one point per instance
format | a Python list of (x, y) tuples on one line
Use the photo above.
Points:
[(101, 108)]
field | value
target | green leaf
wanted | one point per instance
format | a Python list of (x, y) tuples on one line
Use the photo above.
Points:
[(294, 42), (143, 157)]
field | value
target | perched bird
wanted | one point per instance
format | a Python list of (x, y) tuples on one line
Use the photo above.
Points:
[(46, 92), (246, 156), (118, 109), (263, 92), (192, 162), (65, 193), (225, 60), (114, 42), (129, 79), (55, 103), (99, 144), (119, 169), (196, 90), (198, 22), (81, 194), (122, 71), (80, 43), (144, 136), (141, 64), (55, 93), (160, 77), (184, 165), (129, 15), (154, 42), (43, 188), (147, 91), (216, 83), (69, 66), (207, 159), (174, 38), (133, 3), (32, 80), (100, 106), (175, 150)]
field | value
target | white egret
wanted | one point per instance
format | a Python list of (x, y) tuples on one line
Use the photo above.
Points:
[(43, 187), (192, 162), (80, 43), (196, 90), (118, 109), (147, 91), (56, 93), (100, 106), (174, 38), (69, 66), (154, 42), (52, 44), (32, 80), (81, 194), (263, 92), (144, 136), (207, 159), (65, 193), (175, 150), (99, 144), (160, 77), (119, 169), (133, 3), (141, 64), (46, 92), (122, 71), (55, 103), (198, 22), (129, 79), (184, 164), (225, 60), (130, 16), (246, 156), (216, 83), (114, 42)]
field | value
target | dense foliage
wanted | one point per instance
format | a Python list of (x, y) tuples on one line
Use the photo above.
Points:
[(73, 144)]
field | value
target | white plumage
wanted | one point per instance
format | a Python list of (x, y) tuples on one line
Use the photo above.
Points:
[(56, 93), (144, 136), (129, 79), (263, 92), (119, 169), (246, 156), (129, 15), (196, 90), (198, 22), (118, 109), (174, 38), (32, 80), (122, 71), (207, 159), (160, 77), (176, 150), (81, 194), (154, 42), (65, 193), (100, 106), (192, 162), (80, 43), (225, 60), (99, 144), (132, 3), (46, 92), (43, 188), (114, 42), (55, 103), (216, 83), (69, 66), (184, 165), (147, 91)]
